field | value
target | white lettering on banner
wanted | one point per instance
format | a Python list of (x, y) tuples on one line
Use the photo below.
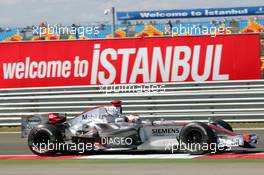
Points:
[(127, 65), (66, 69), (207, 66), (157, 60), (126, 54), (181, 62), (217, 62), (170, 70), (43, 69), (80, 67), (9, 70), (96, 55), (33, 65), (142, 57), (108, 66)]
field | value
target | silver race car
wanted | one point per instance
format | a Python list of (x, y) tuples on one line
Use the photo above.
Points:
[(104, 128)]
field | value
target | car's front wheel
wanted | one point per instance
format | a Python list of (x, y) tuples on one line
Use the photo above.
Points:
[(197, 138)]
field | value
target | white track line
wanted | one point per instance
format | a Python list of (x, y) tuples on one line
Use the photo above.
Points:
[(10, 132), (146, 156), (19, 155)]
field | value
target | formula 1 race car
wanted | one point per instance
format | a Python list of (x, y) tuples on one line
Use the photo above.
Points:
[(104, 128)]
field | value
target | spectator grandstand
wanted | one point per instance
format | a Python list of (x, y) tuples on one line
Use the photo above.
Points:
[(138, 29), (7, 33)]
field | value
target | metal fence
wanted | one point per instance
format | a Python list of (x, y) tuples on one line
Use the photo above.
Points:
[(231, 100)]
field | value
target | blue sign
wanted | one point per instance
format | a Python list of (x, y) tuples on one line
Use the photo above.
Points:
[(190, 13)]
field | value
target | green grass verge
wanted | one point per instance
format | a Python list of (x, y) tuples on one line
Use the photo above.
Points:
[(10, 129), (129, 161), (247, 125)]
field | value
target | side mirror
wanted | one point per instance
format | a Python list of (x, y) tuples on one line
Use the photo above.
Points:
[(85, 127)]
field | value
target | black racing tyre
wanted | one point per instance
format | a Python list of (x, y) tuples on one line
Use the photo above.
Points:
[(197, 138), (43, 140), (223, 124)]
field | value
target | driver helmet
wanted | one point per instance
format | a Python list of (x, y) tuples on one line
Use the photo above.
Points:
[(118, 105)]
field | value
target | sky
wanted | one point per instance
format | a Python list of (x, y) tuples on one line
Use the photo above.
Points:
[(31, 12)]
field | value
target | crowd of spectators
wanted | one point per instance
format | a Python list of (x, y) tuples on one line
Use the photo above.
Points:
[(133, 29)]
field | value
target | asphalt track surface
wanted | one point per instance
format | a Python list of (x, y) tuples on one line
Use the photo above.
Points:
[(135, 169), (13, 144)]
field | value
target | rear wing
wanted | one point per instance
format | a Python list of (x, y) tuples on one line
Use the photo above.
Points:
[(30, 122)]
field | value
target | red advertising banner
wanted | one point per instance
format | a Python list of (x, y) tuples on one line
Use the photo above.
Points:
[(132, 60)]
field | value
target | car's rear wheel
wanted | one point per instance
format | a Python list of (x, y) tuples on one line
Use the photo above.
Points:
[(197, 138), (44, 140)]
